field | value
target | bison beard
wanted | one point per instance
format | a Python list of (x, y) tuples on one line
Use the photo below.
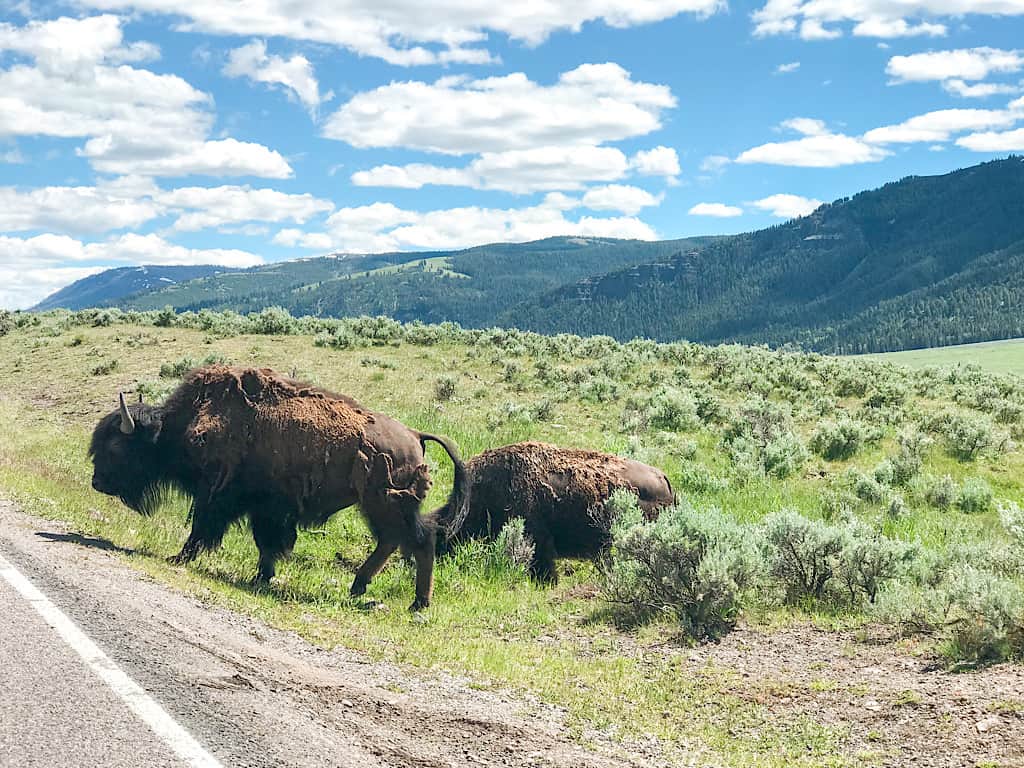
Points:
[(247, 442), (557, 492)]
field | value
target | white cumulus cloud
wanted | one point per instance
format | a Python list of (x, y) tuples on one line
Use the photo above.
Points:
[(940, 125), (207, 207), (959, 70), (133, 120), (960, 64), (73, 209), (718, 210), (619, 197), (410, 32), (825, 19), (659, 161), (294, 75), (587, 106), (520, 171), (994, 141), (819, 148), (787, 206), (386, 227)]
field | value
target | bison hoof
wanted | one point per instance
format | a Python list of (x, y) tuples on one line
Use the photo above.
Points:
[(358, 589), (179, 559), (419, 604)]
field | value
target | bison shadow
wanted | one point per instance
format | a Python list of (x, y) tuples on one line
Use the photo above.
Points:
[(86, 541)]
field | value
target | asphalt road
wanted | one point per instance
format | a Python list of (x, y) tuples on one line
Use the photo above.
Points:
[(53, 712), (251, 696)]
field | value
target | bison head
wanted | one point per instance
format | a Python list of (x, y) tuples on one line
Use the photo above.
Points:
[(124, 455)]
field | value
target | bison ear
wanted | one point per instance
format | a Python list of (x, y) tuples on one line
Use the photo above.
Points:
[(149, 425)]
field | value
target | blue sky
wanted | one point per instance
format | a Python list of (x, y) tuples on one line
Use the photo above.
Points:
[(253, 132)]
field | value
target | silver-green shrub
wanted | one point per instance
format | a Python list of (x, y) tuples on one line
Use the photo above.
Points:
[(695, 565)]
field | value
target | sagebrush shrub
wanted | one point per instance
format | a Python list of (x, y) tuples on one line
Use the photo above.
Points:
[(165, 318), (868, 560), (867, 488), (672, 410), (6, 322), (445, 388), (964, 436), (986, 617), (272, 321), (887, 394), (784, 455), (599, 389), (694, 565), (697, 478), (884, 473), (907, 463), (847, 563), (940, 492), (801, 555), (838, 440), (513, 545), (975, 496)]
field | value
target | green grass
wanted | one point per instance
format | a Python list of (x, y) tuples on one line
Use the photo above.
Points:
[(996, 356), (440, 264), (488, 623)]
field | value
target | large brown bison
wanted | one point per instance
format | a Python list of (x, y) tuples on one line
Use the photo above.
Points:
[(247, 442), (558, 492)]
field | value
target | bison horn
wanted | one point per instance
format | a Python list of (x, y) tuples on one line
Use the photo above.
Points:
[(127, 422)]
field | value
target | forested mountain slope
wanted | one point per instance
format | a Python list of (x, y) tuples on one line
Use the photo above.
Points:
[(919, 262)]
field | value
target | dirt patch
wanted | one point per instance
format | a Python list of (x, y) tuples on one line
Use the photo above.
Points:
[(896, 705)]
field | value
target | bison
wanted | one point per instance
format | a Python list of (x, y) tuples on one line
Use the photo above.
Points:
[(248, 442), (557, 492)]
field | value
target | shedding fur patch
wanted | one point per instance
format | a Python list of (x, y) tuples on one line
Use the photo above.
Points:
[(532, 465), (247, 413)]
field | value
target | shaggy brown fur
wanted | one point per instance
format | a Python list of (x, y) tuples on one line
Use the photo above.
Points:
[(245, 441), (557, 492)]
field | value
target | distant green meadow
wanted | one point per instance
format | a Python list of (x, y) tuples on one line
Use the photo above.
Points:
[(996, 356)]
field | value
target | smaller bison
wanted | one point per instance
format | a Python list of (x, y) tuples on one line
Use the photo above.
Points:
[(556, 491)]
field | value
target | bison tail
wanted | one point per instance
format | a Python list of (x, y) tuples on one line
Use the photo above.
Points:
[(449, 517)]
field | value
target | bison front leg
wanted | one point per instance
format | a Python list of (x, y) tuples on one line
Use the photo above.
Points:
[(542, 567), (371, 567), (209, 524), (275, 534)]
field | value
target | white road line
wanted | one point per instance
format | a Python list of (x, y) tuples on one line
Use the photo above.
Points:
[(151, 713)]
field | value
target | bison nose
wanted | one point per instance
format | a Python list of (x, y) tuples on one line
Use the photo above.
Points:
[(96, 484)]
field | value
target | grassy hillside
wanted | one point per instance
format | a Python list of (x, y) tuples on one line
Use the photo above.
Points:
[(904, 469), (996, 356)]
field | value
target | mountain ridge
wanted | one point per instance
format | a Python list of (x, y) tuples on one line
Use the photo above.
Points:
[(921, 261)]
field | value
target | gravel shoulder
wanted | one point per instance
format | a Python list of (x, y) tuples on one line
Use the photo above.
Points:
[(252, 695)]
